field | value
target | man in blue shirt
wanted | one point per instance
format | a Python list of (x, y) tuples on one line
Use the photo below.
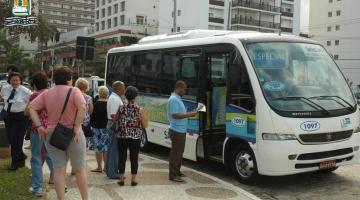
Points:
[(178, 118)]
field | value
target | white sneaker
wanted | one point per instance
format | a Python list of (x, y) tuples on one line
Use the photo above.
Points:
[(37, 193)]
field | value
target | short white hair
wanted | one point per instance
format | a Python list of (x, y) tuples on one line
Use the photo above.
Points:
[(103, 92)]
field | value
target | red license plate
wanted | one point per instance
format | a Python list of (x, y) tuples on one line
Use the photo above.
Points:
[(327, 164)]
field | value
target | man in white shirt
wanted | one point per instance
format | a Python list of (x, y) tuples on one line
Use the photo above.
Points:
[(16, 98), (113, 104)]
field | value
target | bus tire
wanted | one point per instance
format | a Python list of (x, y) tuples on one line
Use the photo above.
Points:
[(326, 171), (243, 164), (144, 143)]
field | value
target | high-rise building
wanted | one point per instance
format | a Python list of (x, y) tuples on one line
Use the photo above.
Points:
[(67, 15), (136, 16), (335, 24)]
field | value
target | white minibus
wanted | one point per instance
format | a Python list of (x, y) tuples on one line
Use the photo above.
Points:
[(276, 104)]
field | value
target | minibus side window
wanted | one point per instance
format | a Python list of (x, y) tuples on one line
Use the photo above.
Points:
[(148, 69), (170, 68), (240, 92), (189, 73)]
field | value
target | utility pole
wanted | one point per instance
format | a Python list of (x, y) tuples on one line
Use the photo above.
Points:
[(174, 17)]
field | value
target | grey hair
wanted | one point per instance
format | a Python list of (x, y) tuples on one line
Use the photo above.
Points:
[(103, 92), (117, 84), (179, 84)]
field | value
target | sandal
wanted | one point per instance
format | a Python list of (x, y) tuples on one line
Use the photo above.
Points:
[(96, 170)]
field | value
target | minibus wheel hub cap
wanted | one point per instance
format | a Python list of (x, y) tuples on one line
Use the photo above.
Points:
[(244, 164)]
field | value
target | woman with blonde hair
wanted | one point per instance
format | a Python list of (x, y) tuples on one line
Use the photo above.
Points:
[(98, 120), (83, 85)]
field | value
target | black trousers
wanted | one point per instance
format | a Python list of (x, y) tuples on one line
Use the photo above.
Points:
[(134, 146), (176, 153), (15, 124)]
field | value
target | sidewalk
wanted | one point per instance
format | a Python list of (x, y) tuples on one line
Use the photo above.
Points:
[(153, 184)]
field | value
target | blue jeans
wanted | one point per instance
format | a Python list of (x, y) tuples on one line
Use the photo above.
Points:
[(112, 166), (36, 162)]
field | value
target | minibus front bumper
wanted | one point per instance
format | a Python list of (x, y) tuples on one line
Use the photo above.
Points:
[(275, 158)]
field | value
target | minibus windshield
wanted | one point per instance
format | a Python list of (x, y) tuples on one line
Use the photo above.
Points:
[(300, 77)]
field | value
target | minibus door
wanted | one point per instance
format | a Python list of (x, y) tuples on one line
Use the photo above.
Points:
[(215, 87)]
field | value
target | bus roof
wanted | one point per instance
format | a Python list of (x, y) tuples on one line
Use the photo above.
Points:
[(200, 37)]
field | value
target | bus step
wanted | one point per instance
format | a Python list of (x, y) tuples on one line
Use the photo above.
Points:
[(216, 158)]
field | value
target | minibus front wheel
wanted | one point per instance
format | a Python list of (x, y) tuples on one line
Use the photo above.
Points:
[(244, 164)]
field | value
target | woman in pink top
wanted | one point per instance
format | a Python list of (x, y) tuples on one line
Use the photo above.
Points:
[(53, 100)]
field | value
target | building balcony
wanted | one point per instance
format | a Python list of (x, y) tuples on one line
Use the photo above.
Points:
[(216, 20), (257, 6), (250, 22), (288, 30), (287, 14), (216, 2)]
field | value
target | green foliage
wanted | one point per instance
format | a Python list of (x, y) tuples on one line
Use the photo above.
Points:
[(15, 56)]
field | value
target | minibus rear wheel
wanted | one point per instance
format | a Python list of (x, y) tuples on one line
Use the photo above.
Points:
[(144, 143), (244, 164)]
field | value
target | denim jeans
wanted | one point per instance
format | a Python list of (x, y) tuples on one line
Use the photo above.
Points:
[(37, 162)]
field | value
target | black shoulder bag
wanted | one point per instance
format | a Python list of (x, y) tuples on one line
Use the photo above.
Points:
[(62, 136)]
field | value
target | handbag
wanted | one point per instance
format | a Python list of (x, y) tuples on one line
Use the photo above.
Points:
[(87, 131), (62, 136)]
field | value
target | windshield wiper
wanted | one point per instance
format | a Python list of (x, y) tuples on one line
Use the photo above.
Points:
[(306, 100), (324, 96)]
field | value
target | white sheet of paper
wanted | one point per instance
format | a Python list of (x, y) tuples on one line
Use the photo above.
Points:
[(201, 107)]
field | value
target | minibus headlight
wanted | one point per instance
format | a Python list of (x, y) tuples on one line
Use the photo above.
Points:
[(277, 136)]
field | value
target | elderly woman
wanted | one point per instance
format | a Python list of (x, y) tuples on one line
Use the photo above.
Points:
[(38, 151), (100, 141), (131, 119), (53, 100), (83, 86), (16, 98)]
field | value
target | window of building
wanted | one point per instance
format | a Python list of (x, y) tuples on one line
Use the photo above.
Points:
[(139, 19), (115, 21), (97, 26), (336, 57), (179, 12), (337, 42), (337, 27), (97, 14), (329, 14), (102, 25), (103, 12), (122, 19), (178, 29), (103, 2), (329, 28), (109, 11), (97, 3), (109, 1), (328, 43), (330, 1), (123, 6), (109, 23), (116, 8), (338, 12)]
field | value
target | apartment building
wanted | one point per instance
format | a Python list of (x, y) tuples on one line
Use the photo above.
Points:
[(335, 24), (67, 15), (219, 14), (137, 16)]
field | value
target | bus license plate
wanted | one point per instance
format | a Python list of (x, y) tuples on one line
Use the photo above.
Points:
[(327, 164)]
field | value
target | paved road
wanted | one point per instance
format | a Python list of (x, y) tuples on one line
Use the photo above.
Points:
[(343, 184)]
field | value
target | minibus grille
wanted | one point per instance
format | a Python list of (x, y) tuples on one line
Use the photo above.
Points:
[(324, 154), (325, 137)]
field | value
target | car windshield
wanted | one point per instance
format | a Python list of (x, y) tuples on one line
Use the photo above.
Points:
[(299, 77)]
